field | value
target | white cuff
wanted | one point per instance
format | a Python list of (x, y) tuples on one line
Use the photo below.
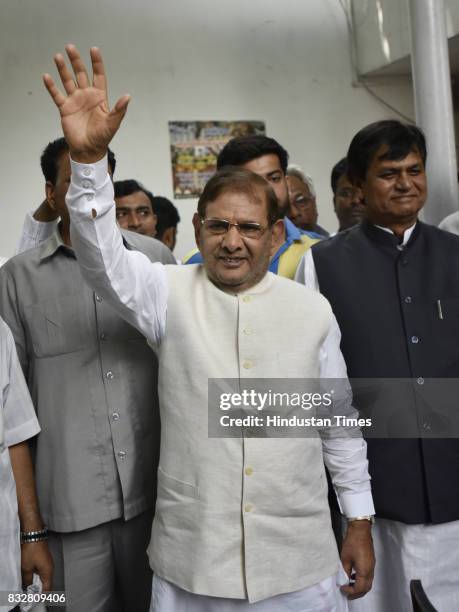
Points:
[(91, 189), (356, 504)]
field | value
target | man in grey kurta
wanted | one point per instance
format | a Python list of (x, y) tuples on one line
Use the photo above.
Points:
[(93, 381)]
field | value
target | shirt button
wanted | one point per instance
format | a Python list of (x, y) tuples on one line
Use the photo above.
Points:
[(408, 299), (426, 426), (248, 508), (248, 471), (98, 298), (115, 416), (246, 299), (122, 454), (103, 336), (404, 262), (420, 381), (247, 365), (87, 184), (414, 339), (247, 331), (87, 171), (90, 197), (110, 375)]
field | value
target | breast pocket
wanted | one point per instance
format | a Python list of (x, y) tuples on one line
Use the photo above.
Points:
[(58, 327), (442, 322)]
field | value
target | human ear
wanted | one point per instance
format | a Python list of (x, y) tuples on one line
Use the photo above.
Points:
[(197, 228), (276, 235), (49, 191)]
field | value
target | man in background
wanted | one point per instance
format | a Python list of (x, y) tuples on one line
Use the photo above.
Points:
[(93, 380), (134, 208), (303, 206), (347, 198), (168, 219), (393, 284), (267, 158)]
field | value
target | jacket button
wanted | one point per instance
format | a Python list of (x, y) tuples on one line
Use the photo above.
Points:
[(414, 339), (247, 365), (408, 299), (248, 471), (248, 508)]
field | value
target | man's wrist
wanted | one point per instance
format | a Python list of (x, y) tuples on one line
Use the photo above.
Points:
[(37, 535), (88, 157)]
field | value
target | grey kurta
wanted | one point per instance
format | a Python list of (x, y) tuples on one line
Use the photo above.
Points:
[(93, 381)]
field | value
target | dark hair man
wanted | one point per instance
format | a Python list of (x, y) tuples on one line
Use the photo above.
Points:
[(267, 158), (228, 509), (134, 207), (393, 283), (93, 383), (347, 198), (303, 206), (168, 220)]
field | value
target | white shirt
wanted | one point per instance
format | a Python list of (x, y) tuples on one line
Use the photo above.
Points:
[(17, 423)]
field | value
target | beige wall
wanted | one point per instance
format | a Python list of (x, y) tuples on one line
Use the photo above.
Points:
[(286, 63)]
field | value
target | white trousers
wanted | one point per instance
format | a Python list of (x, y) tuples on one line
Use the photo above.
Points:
[(403, 552), (322, 597)]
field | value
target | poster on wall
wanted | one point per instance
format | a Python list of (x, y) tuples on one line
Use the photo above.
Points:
[(195, 146)]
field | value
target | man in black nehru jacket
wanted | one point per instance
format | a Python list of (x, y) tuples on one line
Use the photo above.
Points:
[(393, 283)]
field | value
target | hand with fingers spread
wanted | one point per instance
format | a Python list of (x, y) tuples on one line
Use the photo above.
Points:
[(358, 559), (87, 121)]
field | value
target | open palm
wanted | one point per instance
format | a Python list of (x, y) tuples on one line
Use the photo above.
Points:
[(87, 121)]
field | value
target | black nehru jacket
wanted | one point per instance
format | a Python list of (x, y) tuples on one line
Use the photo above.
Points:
[(385, 298)]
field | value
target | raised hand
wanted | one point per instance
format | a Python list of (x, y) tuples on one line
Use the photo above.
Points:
[(87, 121)]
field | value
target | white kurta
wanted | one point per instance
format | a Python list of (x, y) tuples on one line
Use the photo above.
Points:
[(18, 422)]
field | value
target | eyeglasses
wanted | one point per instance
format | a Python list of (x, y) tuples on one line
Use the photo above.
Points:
[(218, 227), (302, 201)]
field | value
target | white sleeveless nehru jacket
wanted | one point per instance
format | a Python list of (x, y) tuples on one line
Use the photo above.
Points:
[(221, 529)]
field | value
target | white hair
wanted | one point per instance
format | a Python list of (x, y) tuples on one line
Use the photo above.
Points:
[(294, 170)]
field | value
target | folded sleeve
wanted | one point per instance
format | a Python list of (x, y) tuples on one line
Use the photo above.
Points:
[(19, 418)]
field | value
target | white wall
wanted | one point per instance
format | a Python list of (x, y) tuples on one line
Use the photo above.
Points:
[(382, 29), (286, 63)]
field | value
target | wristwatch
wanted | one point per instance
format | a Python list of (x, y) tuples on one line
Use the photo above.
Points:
[(369, 517)]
